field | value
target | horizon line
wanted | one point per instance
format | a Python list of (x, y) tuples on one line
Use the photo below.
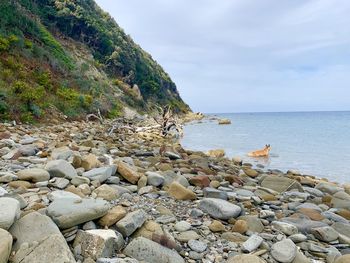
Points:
[(301, 111)]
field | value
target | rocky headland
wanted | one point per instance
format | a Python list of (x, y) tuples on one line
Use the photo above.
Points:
[(77, 192)]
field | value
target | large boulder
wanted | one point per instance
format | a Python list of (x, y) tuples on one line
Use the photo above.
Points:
[(9, 212), (61, 168), (281, 184), (144, 249), (5, 245), (34, 175), (220, 209), (69, 212)]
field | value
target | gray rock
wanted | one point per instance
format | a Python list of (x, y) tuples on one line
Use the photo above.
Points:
[(28, 150), (131, 222), (285, 228), (341, 200), (5, 245), (281, 184), (60, 194), (172, 155), (284, 251), (182, 226), (313, 191), (59, 183), (197, 246), (254, 223), (9, 212), (328, 188), (195, 213), (117, 260), (309, 206), (101, 174), (53, 249), (342, 228), (2, 191), (98, 243), (34, 175), (304, 224), (218, 208), (154, 179), (69, 212), (334, 217), (214, 193), (326, 233), (187, 236), (144, 249), (252, 243), (62, 153), (6, 177), (296, 238), (79, 180), (61, 168)]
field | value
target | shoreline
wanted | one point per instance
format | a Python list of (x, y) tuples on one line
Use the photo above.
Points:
[(182, 205)]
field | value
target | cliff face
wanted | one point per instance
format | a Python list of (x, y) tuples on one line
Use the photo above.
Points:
[(75, 57)]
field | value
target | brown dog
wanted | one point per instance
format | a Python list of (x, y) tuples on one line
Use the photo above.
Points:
[(261, 153)]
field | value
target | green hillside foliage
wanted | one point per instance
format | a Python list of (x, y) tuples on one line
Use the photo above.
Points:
[(74, 56)]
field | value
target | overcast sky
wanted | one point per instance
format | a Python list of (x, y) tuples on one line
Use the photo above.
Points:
[(246, 55)]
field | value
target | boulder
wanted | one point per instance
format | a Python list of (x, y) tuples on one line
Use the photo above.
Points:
[(128, 173), (61, 168), (219, 209), (131, 222), (281, 184), (5, 245), (9, 212), (147, 250), (67, 213), (33, 175), (180, 192)]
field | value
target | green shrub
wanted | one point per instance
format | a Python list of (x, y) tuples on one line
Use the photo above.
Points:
[(4, 44), (27, 93)]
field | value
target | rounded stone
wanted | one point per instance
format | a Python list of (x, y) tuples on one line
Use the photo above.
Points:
[(197, 246), (284, 251), (182, 226)]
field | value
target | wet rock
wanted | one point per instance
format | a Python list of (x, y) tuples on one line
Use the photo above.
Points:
[(131, 222), (147, 250), (284, 251), (179, 192), (98, 243), (113, 215), (252, 243), (69, 212), (33, 175), (5, 245), (61, 168), (9, 212), (250, 172), (219, 209)]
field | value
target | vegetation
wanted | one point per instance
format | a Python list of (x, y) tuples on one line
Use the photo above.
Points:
[(69, 54)]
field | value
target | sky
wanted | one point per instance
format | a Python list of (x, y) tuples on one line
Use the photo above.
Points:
[(246, 55)]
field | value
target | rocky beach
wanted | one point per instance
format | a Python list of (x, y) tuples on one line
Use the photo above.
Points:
[(83, 192)]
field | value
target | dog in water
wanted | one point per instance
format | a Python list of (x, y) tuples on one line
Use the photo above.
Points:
[(261, 153)]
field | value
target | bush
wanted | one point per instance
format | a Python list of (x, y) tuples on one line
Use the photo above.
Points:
[(27, 93)]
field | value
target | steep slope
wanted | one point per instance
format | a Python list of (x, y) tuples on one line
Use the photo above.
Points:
[(74, 56)]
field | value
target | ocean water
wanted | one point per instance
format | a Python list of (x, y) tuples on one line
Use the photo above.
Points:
[(314, 143)]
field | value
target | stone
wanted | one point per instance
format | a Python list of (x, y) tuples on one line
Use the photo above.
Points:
[(281, 184), (253, 222), (148, 230), (245, 259), (60, 194), (89, 162), (200, 181), (78, 180), (296, 238), (197, 246), (33, 175), (328, 188), (98, 243), (311, 213), (147, 250), (6, 177), (216, 153), (180, 192), (5, 245), (214, 193), (304, 224), (187, 235), (182, 226), (113, 215), (131, 222), (172, 155), (343, 259), (52, 249), (59, 183), (250, 172), (219, 209), (106, 192), (62, 153), (20, 184), (240, 226), (326, 233), (216, 226), (128, 173), (234, 237), (284, 251), (61, 168), (341, 200), (342, 228), (155, 179), (224, 121), (67, 213), (285, 228), (9, 212), (100, 174), (253, 242)]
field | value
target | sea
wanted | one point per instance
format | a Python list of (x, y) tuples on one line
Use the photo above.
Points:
[(314, 143)]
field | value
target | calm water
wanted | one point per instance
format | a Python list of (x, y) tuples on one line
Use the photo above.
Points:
[(316, 143)]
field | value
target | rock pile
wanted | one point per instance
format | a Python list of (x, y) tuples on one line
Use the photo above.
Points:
[(75, 193)]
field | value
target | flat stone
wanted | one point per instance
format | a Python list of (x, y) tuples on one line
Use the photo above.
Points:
[(284, 251), (98, 243), (234, 237), (106, 192), (253, 242), (33, 175), (113, 215), (187, 235), (342, 228), (60, 194), (62, 153), (220, 209), (214, 193), (144, 249), (281, 184), (131, 222), (304, 224), (61, 168), (100, 174), (326, 233), (285, 228), (5, 245), (69, 212), (197, 246), (182, 226), (245, 259), (9, 212), (79, 180), (59, 183)]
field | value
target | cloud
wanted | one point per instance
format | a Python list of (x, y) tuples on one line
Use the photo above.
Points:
[(232, 55)]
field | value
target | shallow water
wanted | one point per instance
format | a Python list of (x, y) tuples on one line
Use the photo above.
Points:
[(315, 143)]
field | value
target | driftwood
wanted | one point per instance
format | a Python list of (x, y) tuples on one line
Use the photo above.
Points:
[(95, 117)]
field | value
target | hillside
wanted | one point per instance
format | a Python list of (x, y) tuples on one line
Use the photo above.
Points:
[(72, 56)]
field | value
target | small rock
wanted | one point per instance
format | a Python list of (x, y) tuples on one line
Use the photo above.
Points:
[(219, 209), (245, 259), (240, 226), (5, 245), (187, 235), (252, 243), (285, 228), (326, 233), (106, 192), (155, 179), (216, 226), (182, 226), (100, 174), (197, 246)]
